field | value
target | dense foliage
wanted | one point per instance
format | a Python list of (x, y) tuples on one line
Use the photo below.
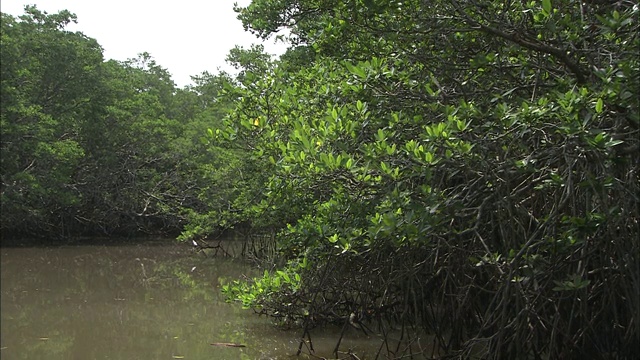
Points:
[(104, 147), (465, 170)]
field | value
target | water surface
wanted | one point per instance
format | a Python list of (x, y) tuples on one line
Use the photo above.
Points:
[(156, 300)]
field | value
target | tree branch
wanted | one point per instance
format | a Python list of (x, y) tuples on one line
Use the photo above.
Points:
[(530, 44)]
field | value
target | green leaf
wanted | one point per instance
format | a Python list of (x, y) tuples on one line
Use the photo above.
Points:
[(546, 6), (599, 138), (356, 70), (613, 143), (349, 163), (391, 149), (384, 167), (599, 106), (333, 238), (428, 157)]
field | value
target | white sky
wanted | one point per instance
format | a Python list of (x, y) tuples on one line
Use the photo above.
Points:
[(186, 37)]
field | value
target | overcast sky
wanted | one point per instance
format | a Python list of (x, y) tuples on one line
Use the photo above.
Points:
[(186, 37)]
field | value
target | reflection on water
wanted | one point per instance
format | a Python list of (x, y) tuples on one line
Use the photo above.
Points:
[(148, 301)]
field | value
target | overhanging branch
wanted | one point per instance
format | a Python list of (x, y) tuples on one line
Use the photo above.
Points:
[(530, 44)]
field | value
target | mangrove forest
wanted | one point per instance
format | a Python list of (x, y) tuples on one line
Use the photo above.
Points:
[(457, 179)]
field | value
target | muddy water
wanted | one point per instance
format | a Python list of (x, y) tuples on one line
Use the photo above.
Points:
[(156, 300)]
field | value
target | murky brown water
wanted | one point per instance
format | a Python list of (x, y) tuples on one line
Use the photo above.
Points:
[(157, 300)]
